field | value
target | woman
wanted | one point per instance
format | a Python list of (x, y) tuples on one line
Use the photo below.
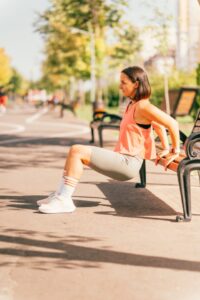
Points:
[(136, 142)]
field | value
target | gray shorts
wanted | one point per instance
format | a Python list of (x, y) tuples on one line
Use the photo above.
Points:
[(115, 165)]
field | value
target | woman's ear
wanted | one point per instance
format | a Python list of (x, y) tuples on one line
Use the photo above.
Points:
[(136, 84)]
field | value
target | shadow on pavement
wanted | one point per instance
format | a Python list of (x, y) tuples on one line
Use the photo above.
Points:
[(30, 141), (29, 202), (35, 159), (46, 251), (121, 197), (33, 154), (128, 201)]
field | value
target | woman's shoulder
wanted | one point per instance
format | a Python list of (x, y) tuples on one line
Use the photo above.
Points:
[(146, 107), (143, 103)]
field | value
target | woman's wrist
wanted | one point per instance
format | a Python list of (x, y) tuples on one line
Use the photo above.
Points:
[(175, 150), (166, 148)]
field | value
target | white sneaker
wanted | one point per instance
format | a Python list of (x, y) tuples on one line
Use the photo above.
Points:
[(58, 205), (46, 200)]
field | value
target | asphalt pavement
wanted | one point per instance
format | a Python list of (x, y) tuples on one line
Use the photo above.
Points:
[(120, 243)]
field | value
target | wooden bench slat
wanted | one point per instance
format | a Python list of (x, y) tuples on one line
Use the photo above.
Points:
[(173, 166)]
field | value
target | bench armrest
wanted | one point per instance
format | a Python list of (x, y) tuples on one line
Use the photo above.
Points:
[(192, 146), (111, 118), (98, 115)]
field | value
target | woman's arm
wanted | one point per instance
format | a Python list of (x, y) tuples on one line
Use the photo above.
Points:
[(153, 114), (161, 132)]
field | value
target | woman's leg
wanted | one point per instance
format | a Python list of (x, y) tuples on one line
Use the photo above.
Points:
[(78, 156), (114, 165), (106, 162)]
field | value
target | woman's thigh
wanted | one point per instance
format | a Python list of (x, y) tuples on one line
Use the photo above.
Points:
[(113, 164)]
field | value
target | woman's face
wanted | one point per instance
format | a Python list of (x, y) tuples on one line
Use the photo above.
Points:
[(127, 87)]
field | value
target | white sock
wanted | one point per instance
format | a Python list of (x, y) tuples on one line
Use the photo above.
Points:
[(67, 186), (59, 189)]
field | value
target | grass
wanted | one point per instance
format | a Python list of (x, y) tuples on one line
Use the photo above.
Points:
[(85, 112), (186, 119)]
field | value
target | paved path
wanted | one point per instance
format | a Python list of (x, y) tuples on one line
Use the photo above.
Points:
[(121, 243)]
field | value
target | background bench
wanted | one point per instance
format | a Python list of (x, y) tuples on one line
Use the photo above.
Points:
[(182, 101), (103, 120), (96, 120), (72, 106)]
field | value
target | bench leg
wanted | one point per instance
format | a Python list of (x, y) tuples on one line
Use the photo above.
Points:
[(142, 183), (100, 133), (184, 185), (92, 135), (186, 166)]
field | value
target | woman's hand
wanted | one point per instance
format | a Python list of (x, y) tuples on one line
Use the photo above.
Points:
[(161, 154), (169, 157)]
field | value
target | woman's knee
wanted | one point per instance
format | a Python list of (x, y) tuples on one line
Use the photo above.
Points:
[(80, 150), (76, 149)]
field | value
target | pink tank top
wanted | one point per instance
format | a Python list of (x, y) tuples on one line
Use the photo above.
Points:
[(133, 139)]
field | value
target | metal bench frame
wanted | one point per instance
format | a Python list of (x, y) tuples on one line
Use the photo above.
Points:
[(104, 121)]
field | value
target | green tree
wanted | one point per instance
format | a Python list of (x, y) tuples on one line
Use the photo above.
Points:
[(127, 46), (15, 82), (68, 27), (5, 68), (198, 74)]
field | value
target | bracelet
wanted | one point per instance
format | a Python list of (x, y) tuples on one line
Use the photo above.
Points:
[(175, 150)]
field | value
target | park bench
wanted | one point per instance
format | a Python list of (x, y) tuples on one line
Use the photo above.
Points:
[(188, 161), (103, 120), (72, 106), (182, 101)]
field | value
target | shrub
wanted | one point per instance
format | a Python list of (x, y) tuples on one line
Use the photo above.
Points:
[(113, 95), (176, 80)]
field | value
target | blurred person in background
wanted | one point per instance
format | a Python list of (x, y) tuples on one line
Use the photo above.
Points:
[(3, 101)]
